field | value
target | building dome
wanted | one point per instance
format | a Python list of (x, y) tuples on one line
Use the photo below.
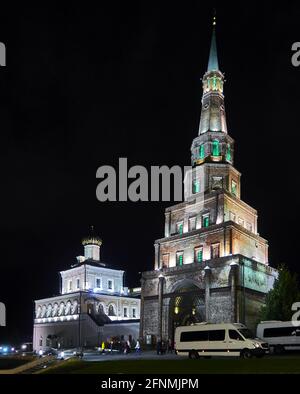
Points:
[(92, 239)]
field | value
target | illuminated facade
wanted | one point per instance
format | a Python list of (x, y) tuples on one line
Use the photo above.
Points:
[(94, 305), (212, 264)]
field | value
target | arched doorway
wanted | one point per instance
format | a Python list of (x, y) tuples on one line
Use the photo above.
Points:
[(187, 306)]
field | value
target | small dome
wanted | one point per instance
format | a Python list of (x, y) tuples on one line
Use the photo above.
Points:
[(92, 239)]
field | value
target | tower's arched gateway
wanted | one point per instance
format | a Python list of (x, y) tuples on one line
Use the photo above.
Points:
[(186, 305), (212, 264)]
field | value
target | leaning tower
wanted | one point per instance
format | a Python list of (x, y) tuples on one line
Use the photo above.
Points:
[(212, 264)]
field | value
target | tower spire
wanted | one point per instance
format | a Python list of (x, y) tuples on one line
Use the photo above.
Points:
[(213, 64), (213, 143)]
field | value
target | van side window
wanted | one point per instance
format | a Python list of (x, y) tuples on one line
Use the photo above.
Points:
[(216, 335), (279, 332), (233, 334), (192, 336)]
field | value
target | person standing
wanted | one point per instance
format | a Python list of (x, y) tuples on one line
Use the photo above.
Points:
[(158, 347), (138, 347)]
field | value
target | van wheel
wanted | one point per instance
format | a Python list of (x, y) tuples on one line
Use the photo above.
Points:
[(279, 349), (246, 354), (193, 355)]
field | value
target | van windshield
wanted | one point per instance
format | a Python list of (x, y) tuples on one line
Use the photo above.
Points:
[(246, 333)]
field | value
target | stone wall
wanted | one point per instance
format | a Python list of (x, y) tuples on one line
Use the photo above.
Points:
[(220, 307), (222, 285)]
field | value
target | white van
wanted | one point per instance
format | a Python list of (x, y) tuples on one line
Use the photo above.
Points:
[(280, 335), (226, 339)]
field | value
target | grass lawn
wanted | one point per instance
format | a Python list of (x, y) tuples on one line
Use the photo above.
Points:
[(266, 365)]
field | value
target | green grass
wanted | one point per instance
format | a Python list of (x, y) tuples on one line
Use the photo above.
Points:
[(255, 366)]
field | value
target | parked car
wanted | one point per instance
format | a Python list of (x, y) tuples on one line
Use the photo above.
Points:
[(51, 352), (226, 339), (26, 347), (280, 335)]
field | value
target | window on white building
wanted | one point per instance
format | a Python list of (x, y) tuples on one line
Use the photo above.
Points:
[(179, 227), (110, 284), (215, 251), (111, 310), (198, 254), (133, 312), (70, 285), (125, 312), (205, 220), (98, 283), (192, 223), (179, 258), (165, 259), (78, 283)]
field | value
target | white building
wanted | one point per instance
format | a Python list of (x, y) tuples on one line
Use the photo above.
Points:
[(94, 305)]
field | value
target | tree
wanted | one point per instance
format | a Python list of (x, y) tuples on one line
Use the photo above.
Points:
[(279, 300)]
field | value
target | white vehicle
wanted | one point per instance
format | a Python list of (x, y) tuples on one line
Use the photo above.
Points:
[(226, 339), (280, 335)]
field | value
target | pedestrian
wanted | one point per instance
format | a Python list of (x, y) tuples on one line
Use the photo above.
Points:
[(158, 347), (127, 348), (103, 347), (170, 346), (138, 347), (163, 347)]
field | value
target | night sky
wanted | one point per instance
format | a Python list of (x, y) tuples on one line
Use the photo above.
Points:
[(84, 86)]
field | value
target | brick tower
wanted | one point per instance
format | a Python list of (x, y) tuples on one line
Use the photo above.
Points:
[(212, 264)]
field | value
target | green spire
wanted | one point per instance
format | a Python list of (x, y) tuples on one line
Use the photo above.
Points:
[(213, 64)]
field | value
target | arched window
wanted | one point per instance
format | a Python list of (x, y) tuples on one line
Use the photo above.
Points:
[(49, 310), (216, 148), (111, 310), (201, 151), (214, 83), (68, 308), (74, 307), (39, 311), (44, 310), (61, 309), (101, 309), (228, 152), (55, 309)]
